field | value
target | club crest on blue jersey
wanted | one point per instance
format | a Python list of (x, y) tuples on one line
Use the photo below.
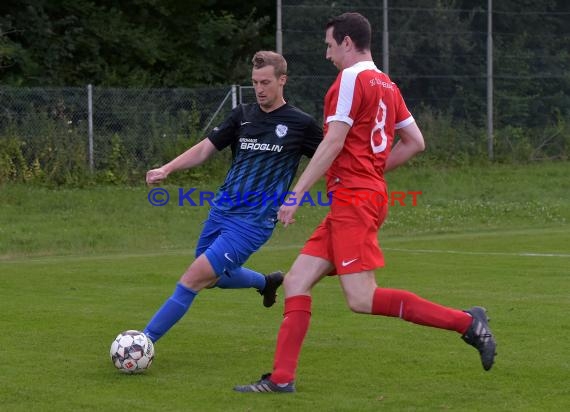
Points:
[(281, 130)]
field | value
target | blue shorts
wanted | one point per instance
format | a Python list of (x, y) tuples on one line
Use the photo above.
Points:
[(228, 242)]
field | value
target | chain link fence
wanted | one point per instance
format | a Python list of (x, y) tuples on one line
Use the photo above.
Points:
[(437, 54), (62, 134)]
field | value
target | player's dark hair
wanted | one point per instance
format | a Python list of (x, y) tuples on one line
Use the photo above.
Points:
[(269, 58), (353, 25)]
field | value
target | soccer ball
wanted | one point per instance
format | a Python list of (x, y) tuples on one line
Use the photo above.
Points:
[(132, 351)]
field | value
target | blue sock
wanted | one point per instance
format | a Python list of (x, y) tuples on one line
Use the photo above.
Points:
[(170, 313), (241, 278)]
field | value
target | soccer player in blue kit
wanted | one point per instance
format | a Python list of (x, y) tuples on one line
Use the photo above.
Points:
[(267, 140)]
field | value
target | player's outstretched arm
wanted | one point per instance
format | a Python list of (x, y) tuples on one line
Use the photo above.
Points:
[(192, 157), (411, 143)]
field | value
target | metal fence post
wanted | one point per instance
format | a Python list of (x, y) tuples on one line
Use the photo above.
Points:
[(279, 31), (234, 96), (231, 92), (490, 79), (385, 42), (90, 125)]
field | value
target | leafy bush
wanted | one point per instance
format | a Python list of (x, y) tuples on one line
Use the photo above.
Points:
[(58, 154)]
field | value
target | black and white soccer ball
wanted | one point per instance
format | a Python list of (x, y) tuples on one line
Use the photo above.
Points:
[(132, 351)]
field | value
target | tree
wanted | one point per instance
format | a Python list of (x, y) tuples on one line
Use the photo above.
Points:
[(131, 43)]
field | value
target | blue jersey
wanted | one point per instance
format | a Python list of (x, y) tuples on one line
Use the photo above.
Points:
[(266, 150)]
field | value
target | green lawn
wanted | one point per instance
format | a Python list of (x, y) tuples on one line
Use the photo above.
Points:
[(79, 265)]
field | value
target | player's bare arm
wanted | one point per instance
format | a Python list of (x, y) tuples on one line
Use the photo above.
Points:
[(411, 143), (192, 157), (327, 151)]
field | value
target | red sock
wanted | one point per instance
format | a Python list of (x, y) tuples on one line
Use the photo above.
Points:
[(410, 307), (296, 318)]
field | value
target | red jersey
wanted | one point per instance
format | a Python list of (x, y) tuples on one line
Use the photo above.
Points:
[(367, 100)]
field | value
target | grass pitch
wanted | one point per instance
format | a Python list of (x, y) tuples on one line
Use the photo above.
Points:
[(78, 266)]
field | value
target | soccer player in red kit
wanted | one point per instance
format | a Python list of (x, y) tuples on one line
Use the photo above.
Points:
[(363, 110)]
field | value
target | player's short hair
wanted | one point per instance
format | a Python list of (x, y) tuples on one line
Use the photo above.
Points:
[(270, 58), (353, 25)]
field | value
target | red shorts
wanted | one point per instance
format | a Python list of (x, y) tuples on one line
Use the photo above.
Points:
[(348, 236)]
